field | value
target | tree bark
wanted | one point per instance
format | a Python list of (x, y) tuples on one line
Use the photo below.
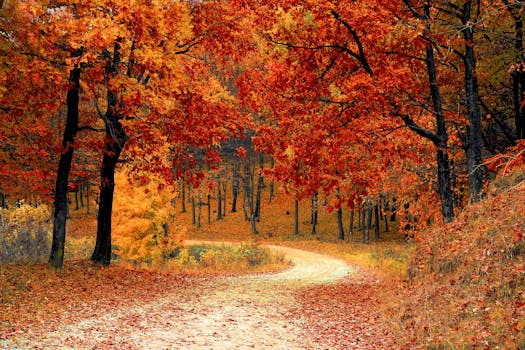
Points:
[(260, 186), (88, 188), (368, 223), (183, 196), (475, 141), (102, 252), (315, 211), (440, 137), (219, 199), (340, 227), (115, 139), (209, 209), (56, 258), (518, 75), (224, 198), (376, 223), (235, 187), (199, 209), (351, 225)]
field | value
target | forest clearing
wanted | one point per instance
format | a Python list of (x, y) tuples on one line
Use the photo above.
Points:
[(205, 174)]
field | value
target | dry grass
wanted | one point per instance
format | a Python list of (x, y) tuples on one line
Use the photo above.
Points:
[(467, 286)]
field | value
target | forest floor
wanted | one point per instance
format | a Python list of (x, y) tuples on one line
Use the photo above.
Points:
[(299, 308)]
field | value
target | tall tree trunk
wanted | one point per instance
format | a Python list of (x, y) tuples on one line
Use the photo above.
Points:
[(115, 139), (183, 196), (82, 190), (440, 137), (224, 198), (518, 76), (340, 227), (351, 225), (235, 186), (209, 209), (376, 223), (56, 258), (88, 189), (260, 186), (76, 198), (475, 141), (387, 229), (219, 199), (363, 220), (193, 211), (368, 223), (248, 190), (315, 211), (199, 209)]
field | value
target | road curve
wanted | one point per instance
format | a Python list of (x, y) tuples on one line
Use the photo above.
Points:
[(244, 312)]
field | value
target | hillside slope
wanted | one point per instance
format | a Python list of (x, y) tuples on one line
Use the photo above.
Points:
[(466, 285)]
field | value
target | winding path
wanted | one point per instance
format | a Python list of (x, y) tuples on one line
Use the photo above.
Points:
[(246, 312)]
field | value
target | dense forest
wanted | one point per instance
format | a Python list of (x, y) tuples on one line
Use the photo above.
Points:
[(394, 116)]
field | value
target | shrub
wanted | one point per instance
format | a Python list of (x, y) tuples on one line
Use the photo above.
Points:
[(246, 256), (25, 234)]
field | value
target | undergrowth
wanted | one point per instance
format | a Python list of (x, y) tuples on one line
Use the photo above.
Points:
[(225, 257), (25, 234), (466, 287)]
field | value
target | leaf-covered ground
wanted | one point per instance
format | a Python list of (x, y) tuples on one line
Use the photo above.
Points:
[(304, 307)]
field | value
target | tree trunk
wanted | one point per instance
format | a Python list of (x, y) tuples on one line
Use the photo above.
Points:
[(440, 137), (340, 227), (114, 143), (76, 198), (260, 186), (248, 190), (518, 77), (376, 223), (224, 198), (183, 196), (56, 258), (173, 203), (475, 141), (351, 225), (3, 202), (387, 229), (209, 209), (219, 199), (102, 252), (82, 190), (88, 188), (193, 211), (199, 208), (315, 211), (235, 187), (363, 219), (368, 223)]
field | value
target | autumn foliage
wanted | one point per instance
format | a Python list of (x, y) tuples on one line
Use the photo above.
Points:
[(412, 110), (466, 280)]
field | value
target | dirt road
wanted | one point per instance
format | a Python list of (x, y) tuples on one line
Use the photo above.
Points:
[(246, 312)]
